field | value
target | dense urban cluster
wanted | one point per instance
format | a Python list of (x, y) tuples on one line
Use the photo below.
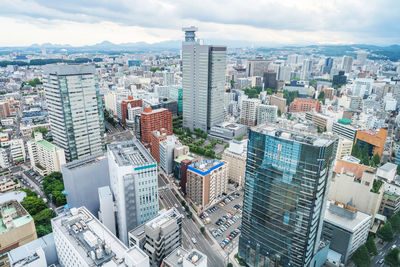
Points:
[(200, 156)]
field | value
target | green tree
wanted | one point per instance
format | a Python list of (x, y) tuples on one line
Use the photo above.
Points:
[(279, 113), (376, 160), (321, 96), (44, 216), (202, 230), (29, 193), (33, 205), (232, 83), (53, 184), (41, 129), (392, 258), (229, 265), (355, 152), (398, 170), (183, 203), (361, 257), (371, 246), (43, 229), (395, 221), (385, 232)]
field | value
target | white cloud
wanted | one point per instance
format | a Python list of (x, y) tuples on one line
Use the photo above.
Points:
[(271, 21)]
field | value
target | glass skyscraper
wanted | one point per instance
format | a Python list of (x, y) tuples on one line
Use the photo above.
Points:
[(75, 109), (286, 188)]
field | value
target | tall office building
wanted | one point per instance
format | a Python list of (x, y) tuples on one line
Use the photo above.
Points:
[(203, 82), (328, 65), (347, 63), (75, 109), (133, 179), (270, 80), (286, 188)]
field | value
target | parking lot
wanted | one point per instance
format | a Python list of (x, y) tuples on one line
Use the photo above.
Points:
[(223, 220)]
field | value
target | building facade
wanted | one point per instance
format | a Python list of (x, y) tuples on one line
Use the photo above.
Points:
[(44, 156), (374, 140), (154, 120), (286, 187), (159, 236), (248, 113), (133, 179), (75, 109), (206, 180), (236, 155), (304, 105), (203, 69), (266, 113)]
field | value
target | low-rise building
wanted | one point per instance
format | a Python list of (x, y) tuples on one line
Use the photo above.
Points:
[(206, 180), (387, 172), (344, 148), (180, 257), (228, 130), (159, 236), (359, 193), (82, 240), (346, 228), (17, 228), (321, 121), (304, 105), (44, 156)]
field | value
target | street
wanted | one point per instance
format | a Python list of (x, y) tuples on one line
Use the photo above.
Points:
[(189, 228), (384, 249)]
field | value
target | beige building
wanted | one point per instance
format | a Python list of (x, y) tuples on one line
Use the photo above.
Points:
[(278, 101), (7, 184), (45, 157), (248, 113), (322, 121), (236, 155), (358, 193), (344, 148), (16, 228), (206, 180)]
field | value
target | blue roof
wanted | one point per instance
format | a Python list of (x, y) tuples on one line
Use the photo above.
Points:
[(193, 168)]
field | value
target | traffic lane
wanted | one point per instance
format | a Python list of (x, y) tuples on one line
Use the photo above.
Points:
[(190, 230)]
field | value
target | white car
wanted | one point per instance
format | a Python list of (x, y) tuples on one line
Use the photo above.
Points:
[(194, 240)]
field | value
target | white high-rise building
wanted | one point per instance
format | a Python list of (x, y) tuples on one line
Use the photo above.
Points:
[(306, 69), (266, 113), (166, 152), (362, 58), (347, 64), (44, 156), (4, 162), (248, 113), (17, 148), (133, 180), (203, 82), (75, 109), (82, 240)]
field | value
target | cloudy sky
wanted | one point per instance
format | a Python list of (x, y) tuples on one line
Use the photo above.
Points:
[(272, 22)]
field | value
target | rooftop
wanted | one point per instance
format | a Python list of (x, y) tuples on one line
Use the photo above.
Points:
[(94, 242), (47, 145), (12, 195), (387, 167), (206, 166), (345, 217), (68, 69), (182, 157), (177, 256), (287, 132), (132, 152), (85, 161), (13, 215), (163, 217)]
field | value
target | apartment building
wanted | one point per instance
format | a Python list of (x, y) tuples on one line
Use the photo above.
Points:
[(205, 181)]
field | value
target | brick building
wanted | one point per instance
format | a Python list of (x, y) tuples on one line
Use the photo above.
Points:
[(154, 120), (184, 166), (124, 107), (155, 139), (304, 105), (374, 140)]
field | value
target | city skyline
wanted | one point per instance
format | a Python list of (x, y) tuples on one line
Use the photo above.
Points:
[(290, 22)]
